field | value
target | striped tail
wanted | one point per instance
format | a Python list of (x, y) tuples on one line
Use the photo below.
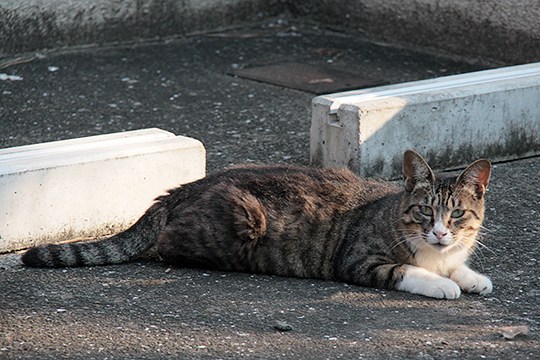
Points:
[(119, 248)]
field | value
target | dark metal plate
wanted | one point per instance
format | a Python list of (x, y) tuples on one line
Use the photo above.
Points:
[(309, 78)]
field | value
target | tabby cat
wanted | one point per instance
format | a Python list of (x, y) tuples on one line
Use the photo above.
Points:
[(311, 223)]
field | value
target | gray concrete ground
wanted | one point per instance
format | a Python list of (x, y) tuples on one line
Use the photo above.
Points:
[(147, 311)]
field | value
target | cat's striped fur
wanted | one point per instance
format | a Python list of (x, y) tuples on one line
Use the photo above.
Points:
[(308, 222)]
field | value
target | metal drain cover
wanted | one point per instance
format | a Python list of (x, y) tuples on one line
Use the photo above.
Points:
[(309, 78)]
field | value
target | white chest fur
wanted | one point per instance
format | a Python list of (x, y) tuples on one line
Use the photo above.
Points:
[(440, 262)]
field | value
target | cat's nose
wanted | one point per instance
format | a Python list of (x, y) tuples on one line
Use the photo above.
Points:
[(439, 234)]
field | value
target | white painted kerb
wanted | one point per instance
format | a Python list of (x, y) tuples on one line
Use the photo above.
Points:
[(89, 186), (452, 120), (453, 82)]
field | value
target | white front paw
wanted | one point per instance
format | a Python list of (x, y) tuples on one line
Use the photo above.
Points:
[(472, 282), (443, 288), (423, 282)]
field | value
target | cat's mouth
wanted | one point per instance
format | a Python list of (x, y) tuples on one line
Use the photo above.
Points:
[(440, 246)]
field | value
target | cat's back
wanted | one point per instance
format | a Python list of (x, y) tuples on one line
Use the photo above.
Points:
[(281, 182), (288, 188)]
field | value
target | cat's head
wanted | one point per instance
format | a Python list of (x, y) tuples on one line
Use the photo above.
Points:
[(442, 212)]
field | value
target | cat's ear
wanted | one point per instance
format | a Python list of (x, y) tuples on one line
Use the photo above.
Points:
[(416, 171), (476, 176)]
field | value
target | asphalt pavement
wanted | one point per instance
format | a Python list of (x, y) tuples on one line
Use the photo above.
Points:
[(149, 311)]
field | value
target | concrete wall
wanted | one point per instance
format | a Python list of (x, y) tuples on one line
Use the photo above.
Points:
[(451, 120), (29, 25), (501, 31), (507, 31), (89, 187)]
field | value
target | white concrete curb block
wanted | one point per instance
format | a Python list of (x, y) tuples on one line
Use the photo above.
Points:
[(451, 120), (90, 186)]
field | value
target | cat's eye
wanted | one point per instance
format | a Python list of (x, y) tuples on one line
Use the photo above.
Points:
[(426, 210), (456, 214)]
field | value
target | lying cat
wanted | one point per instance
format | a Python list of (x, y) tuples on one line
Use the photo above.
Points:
[(311, 223)]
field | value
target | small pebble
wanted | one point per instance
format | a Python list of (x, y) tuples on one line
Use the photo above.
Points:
[(510, 332), (282, 326)]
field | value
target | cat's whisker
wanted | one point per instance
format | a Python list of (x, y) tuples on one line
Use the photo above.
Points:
[(486, 229), (483, 246), (400, 241), (478, 255), (411, 231)]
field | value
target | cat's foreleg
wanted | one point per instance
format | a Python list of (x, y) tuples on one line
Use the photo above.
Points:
[(471, 281), (402, 277), (420, 281)]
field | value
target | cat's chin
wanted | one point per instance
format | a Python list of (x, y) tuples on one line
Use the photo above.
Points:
[(439, 247)]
